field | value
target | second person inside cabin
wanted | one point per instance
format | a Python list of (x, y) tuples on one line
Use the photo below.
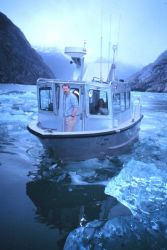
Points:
[(101, 109)]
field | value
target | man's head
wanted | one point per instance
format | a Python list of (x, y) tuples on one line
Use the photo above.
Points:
[(66, 88)]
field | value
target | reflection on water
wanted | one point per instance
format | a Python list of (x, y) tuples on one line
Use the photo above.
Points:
[(68, 196), (65, 207)]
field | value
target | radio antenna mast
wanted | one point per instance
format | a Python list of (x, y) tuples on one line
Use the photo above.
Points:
[(109, 46), (101, 46), (119, 25), (111, 75)]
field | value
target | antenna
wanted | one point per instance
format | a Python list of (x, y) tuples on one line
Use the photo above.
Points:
[(119, 25), (113, 67), (84, 47), (109, 46), (111, 75), (101, 46)]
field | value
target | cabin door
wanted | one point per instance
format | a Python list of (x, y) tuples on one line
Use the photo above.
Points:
[(78, 91)]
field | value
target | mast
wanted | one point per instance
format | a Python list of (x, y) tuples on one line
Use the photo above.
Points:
[(101, 48), (111, 75), (77, 55), (101, 58), (109, 47)]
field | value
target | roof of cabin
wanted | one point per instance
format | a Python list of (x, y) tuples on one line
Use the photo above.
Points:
[(116, 85)]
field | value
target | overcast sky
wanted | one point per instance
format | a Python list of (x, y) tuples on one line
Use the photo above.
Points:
[(138, 26)]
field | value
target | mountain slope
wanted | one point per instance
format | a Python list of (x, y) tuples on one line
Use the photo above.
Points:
[(19, 62), (58, 63), (152, 77)]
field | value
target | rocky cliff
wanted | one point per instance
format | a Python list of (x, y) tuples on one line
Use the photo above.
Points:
[(19, 62), (153, 77)]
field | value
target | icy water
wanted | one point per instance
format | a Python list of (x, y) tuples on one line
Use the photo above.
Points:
[(115, 203)]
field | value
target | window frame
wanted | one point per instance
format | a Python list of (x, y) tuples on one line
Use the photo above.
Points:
[(53, 101)]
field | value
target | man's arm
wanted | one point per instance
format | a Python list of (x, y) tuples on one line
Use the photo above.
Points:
[(74, 112)]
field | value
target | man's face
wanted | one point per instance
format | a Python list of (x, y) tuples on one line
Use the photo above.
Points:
[(66, 90)]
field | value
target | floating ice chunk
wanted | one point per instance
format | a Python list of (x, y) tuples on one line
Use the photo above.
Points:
[(141, 187)]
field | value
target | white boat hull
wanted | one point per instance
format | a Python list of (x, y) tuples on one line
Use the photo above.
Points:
[(79, 146)]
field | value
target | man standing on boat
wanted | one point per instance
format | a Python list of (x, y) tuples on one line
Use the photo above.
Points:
[(70, 108)]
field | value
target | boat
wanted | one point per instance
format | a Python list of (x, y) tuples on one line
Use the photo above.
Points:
[(96, 133)]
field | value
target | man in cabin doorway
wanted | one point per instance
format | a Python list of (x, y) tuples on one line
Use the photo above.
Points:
[(70, 108)]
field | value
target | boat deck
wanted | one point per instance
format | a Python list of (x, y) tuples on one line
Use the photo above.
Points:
[(35, 129)]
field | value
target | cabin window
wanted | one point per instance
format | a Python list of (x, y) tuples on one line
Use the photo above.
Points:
[(127, 100), (45, 99), (98, 102), (116, 103), (121, 102), (57, 89), (75, 91)]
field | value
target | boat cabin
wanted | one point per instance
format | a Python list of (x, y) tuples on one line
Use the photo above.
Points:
[(102, 105), (107, 122)]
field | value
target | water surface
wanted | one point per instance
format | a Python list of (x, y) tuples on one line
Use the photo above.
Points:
[(42, 201)]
